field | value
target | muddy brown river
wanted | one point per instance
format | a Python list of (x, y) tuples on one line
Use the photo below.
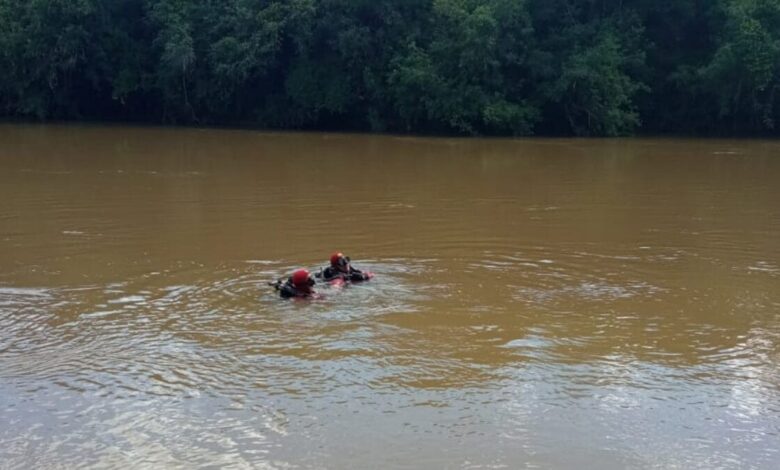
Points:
[(538, 303)]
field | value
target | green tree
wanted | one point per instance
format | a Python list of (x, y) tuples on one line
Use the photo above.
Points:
[(174, 50), (457, 80), (50, 56), (744, 71), (596, 92), (587, 65)]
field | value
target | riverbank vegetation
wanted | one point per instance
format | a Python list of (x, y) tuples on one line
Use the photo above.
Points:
[(488, 67)]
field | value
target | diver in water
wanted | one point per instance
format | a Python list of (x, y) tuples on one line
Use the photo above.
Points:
[(341, 268), (299, 285)]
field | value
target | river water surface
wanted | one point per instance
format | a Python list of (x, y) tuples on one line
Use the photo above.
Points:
[(552, 304)]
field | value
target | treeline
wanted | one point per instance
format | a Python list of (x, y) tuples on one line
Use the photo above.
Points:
[(490, 67)]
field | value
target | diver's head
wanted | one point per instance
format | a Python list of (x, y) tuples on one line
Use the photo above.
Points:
[(340, 262), (302, 280)]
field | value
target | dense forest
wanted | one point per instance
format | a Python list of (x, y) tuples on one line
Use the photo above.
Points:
[(473, 67)]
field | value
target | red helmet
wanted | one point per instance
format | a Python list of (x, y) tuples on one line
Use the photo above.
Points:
[(301, 279), (336, 258)]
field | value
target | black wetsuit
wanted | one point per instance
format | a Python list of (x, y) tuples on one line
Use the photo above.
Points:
[(288, 290), (355, 275)]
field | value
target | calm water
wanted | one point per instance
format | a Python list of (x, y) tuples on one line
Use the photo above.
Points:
[(553, 304)]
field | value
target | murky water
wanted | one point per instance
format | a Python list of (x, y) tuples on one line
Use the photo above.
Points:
[(537, 303)]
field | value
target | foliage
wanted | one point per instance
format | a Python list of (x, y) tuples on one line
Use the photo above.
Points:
[(743, 74), (474, 67)]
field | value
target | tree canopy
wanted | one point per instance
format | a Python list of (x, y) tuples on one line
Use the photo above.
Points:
[(472, 67)]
